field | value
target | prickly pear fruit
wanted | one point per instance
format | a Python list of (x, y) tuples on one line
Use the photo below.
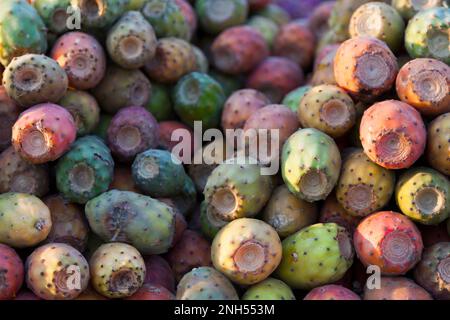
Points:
[(324, 69), (160, 103), (237, 189), (174, 58), (432, 272), (82, 57), (238, 50), (167, 129), (287, 214), (390, 241), (318, 20), (131, 42), (49, 271), (159, 273), (210, 225), (205, 283), (117, 270), (68, 223), (310, 164), (408, 8), (275, 77), (189, 14), (316, 255), (192, 251), (246, 250), (22, 31), (269, 289), (216, 16), (152, 292), (99, 13), (85, 171), (266, 27), (54, 14), (392, 134), (9, 112), (20, 176), (426, 35), (146, 223), (201, 61), (331, 292), (423, 83), (438, 142), (292, 99), (329, 109), (131, 131), (43, 133), (365, 67), (11, 272), (396, 288), (275, 13), (332, 211), (423, 194), (378, 20), (122, 88), (32, 78), (84, 109)]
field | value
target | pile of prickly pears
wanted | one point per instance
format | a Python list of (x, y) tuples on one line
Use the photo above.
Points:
[(98, 200)]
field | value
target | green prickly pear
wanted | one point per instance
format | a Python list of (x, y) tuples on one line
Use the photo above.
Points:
[(408, 8), (99, 13), (269, 289), (292, 99), (54, 14), (216, 16), (160, 103)]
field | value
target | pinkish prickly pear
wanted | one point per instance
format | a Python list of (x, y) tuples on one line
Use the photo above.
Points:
[(159, 272), (331, 292), (152, 292), (11, 272), (396, 288)]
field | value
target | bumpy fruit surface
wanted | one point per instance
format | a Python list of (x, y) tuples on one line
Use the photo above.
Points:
[(331, 292), (390, 241), (316, 255), (246, 250), (152, 292), (99, 14), (54, 14), (292, 99), (396, 288), (424, 84), (438, 142), (205, 283), (82, 57), (117, 270), (49, 271), (11, 272), (43, 133), (392, 134), (408, 8), (432, 272), (159, 272), (332, 211), (9, 112), (310, 164), (85, 171), (160, 103), (131, 131), (216, 16), (269, 289)]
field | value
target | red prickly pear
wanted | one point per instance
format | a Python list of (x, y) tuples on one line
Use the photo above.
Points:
[(11, 272), (82, 57), (396, 288), (9, 112), (123, 180), (392, 134), (331, 292), (390, 241), (166, 128), (152, 292), (332, 211), (159, 273), (318, 20), (43, 133)]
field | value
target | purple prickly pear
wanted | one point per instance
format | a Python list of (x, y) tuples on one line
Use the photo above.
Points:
[(159, 272), (296, 8)]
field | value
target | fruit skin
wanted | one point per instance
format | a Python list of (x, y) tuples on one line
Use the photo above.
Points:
[(117, 270), (390, 27), (49, 271), (131, 131), (397, 288), (423, 34), (192, 251), (11, 270), (189, 14), (209, 224), (75, 49), (297, 9), (198, 97), (84, 109), (432, 271), (438, 140), (275, 77), (205, 283), (104, 14), (275, 13), (26, 92), (85, 171), (269, 289), (238, 50), (103, 124), (288, 214), (236, 190), (167, 128), (363, 187), (318, 20), (20, 176), (201, 61), (395, 123), (68, 223), (159, 273), (423, 194), (9, 112), (353, 62), (53, 13), (408, 9), (152, 292), (230, 13), (22, 31), (49, 123), (327, 108), (310, 154), (331, 292), (131, 42), (324, 70), (174, 58), (414, 75), (316, 255), (292, 99), (268, 28), (380, 231), (332, 211), (160, 103)]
